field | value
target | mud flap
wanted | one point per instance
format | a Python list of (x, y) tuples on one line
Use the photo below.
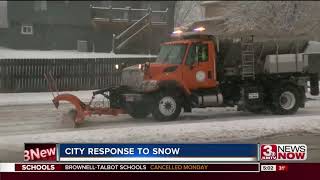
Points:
[(314, 84)]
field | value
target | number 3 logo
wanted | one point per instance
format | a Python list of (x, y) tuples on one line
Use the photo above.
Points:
[(267, 150)]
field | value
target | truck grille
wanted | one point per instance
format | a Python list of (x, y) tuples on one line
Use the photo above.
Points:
[(132, 77)]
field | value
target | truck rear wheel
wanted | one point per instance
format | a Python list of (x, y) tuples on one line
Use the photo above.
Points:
[(286, 100), (167, 107)]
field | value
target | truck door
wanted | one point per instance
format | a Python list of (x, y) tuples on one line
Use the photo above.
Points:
[(199, 66)]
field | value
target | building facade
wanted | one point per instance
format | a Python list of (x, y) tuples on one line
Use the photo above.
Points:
[(61, 25)]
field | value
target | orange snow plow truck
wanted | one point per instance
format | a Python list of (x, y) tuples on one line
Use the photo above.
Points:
[(195, 70)]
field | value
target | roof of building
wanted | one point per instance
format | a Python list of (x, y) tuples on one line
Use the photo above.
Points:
[(206, 3), (313, 47)]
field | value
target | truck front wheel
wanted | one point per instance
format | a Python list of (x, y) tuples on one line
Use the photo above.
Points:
[(137, 111), (286, 100), (167, 107)]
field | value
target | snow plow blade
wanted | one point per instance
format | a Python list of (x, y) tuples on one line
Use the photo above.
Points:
[(75, 101), (82, 109)]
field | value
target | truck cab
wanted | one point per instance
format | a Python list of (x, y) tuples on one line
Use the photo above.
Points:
[(182, 75), (191, 63)]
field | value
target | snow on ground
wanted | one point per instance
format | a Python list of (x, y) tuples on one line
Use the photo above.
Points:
[(202, 126), (6, 53), (171, 132)]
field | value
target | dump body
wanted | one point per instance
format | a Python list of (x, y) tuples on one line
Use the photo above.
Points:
[(286, 63)]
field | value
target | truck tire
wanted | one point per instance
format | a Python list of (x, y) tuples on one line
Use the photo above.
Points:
[(139, 115), (167, 107), (137, 112), (286, 100)]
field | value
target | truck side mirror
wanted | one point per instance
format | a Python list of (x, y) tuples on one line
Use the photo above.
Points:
[(123, 65)]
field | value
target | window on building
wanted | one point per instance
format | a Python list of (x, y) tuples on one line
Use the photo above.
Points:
[(26, 29), (105, 3), (155, 6), (67, 3), (3, 15), (40, 5), (145, 4)]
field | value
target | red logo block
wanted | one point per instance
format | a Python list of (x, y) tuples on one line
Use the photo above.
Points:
[(268, 152), (283, 152), (283, 168), (40, 152)]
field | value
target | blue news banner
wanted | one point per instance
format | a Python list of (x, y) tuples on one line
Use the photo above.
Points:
[(158, 152)]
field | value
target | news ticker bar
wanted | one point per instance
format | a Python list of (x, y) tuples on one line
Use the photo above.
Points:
[(168, 159), (164, 152), (142, 167), (130, 167)]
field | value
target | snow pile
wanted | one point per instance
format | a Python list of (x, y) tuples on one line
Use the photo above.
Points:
[(6, 53)]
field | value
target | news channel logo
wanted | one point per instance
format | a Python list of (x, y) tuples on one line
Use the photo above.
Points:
[(283, 152), (40, 152)]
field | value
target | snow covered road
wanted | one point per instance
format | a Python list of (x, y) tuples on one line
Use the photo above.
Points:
[(43, 123)]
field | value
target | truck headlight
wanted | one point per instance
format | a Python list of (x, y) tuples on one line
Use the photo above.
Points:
[(150, 85)]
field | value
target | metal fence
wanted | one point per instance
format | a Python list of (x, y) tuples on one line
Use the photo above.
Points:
[(111, 14), (27, 75)]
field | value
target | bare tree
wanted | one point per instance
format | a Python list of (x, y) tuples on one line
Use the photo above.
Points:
[(188, 12), (274, 18)]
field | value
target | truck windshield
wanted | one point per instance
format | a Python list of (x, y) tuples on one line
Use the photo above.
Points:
[(171, 54)]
